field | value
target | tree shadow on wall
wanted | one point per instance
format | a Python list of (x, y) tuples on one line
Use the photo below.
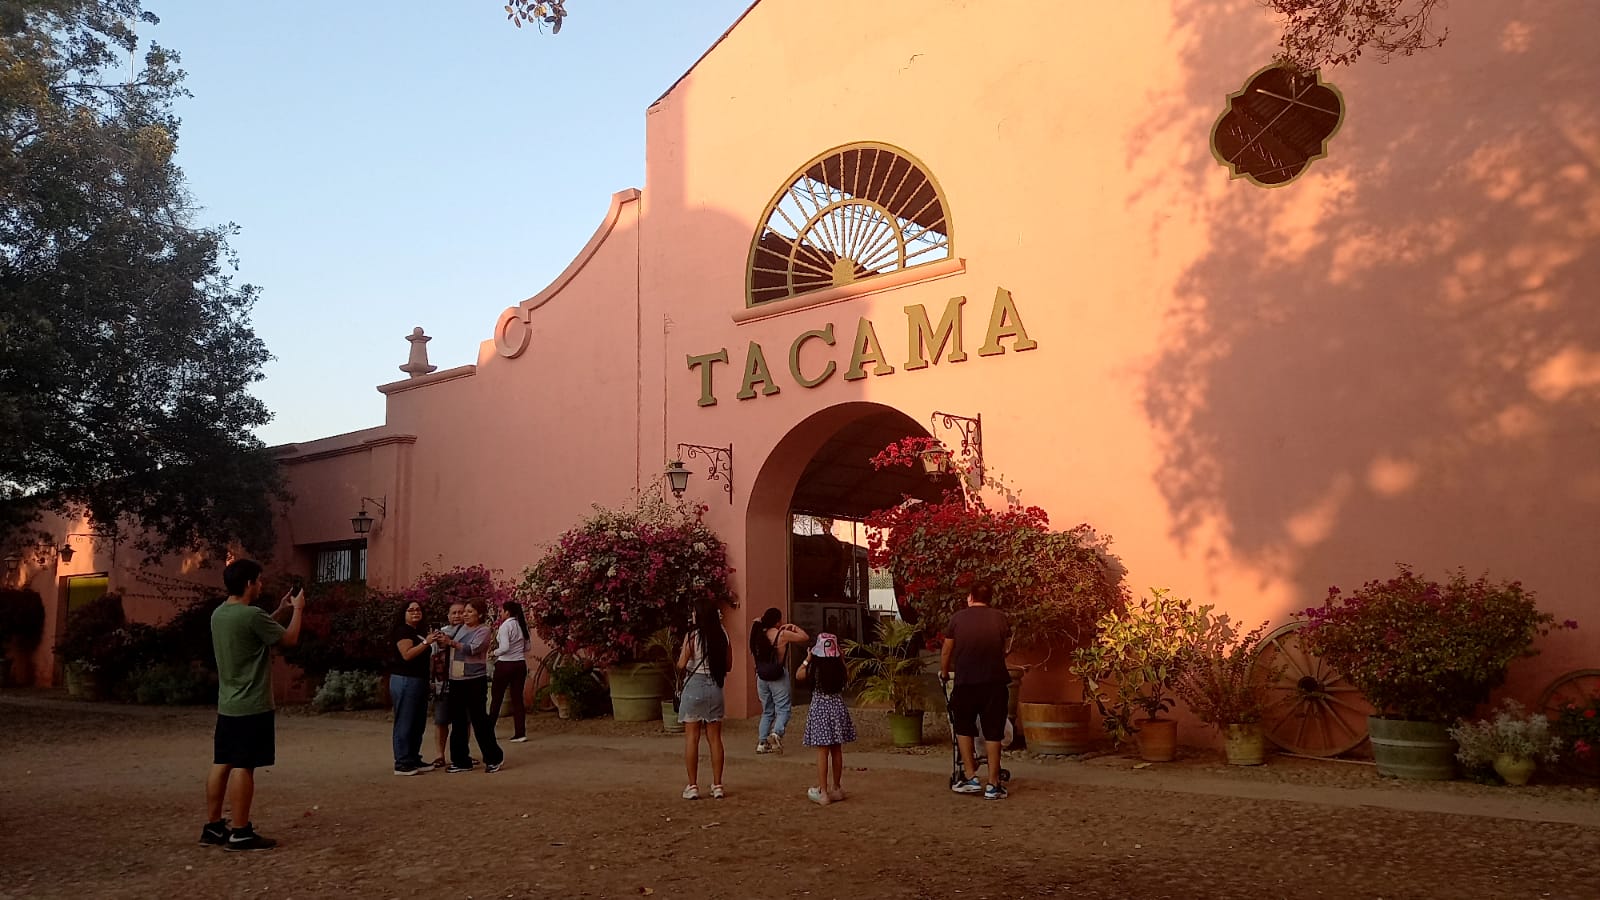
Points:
[(1397, 357)]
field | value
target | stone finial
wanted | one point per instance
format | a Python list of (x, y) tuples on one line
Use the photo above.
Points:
[(417, 365)]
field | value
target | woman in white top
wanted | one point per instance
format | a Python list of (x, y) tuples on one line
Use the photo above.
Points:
[(706, 657), (511, 669)]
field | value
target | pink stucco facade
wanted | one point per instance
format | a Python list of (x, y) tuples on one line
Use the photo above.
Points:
[(1258, 392)]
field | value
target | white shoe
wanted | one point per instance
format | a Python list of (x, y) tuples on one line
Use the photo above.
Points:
[(692, 792), (761, 747), (775, 742), (716, 792), (817, 796), (520, 740)]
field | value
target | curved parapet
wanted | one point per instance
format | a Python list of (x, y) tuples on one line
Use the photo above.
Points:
[(511, 330)]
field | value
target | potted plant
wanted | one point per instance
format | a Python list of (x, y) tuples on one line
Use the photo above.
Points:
[(1513, 743), (619, 577), (887, 670), (92, 644), (1425, 654), (659, 650), (574, 689), (1223, 687), (1578, 725), (1053, 585), (1133, 664)]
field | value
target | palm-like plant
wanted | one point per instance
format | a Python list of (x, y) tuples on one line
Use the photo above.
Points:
[(886, 670)]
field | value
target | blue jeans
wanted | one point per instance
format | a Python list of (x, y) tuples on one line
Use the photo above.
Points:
[(775, 706), (410, 697)]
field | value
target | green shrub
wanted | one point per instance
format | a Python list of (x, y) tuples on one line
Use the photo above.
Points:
[(174, 684), (350, 690)]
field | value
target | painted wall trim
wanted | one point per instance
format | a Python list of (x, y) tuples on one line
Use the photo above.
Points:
[(363, 447), (511, 331), (876, 284), (400, 387)]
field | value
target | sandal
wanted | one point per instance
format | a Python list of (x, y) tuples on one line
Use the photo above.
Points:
[(438, 763)]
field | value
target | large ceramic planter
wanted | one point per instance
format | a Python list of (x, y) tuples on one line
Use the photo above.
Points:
[(636, 691), (1516, 770), (905, 731), (1158, 740), (669, 718), (1415, 751), (1244, 745), (1057, 728)]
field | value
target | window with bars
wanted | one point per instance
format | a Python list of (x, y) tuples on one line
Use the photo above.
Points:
[(340, 562)]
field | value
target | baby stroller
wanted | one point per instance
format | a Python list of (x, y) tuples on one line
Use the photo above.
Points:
[(980, 752)]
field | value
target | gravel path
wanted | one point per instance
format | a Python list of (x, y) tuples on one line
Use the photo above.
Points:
[(105, 801)]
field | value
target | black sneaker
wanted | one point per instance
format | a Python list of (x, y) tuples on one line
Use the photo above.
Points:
[(455, 769), (407, 770), (215, 834), (493, 768), (243, 839)]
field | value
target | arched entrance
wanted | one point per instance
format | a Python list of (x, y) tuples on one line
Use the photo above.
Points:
[(822, 470)]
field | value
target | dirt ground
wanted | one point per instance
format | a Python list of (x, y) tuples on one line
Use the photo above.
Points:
[(107, 801)]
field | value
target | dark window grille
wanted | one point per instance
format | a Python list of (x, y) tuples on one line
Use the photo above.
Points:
[(340, 562)]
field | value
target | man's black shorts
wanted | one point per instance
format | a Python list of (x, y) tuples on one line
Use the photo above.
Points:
[(972, 704), (245, 742)]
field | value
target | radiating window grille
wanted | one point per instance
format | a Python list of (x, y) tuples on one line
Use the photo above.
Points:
[(852, 213)]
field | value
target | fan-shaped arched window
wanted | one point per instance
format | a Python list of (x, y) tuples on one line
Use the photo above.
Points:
[(853, 213)]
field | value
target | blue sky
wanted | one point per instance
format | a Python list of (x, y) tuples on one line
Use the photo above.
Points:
[(409, 163)]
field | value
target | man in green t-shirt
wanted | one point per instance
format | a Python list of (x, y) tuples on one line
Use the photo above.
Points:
[(242, 634)]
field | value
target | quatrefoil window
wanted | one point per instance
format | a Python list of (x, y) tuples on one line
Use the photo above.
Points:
[(1276, 126)]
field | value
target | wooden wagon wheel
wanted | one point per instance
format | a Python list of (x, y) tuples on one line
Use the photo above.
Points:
[(1311, 709), (1574, 687)]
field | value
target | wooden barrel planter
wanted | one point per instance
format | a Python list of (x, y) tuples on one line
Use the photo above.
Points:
[(636, 691), (1417, 751), (1056, 728)]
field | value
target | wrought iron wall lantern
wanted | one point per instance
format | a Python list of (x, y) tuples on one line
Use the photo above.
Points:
[(936, 460), (721, 467), (66, 553), (361, 522), (13, 564)]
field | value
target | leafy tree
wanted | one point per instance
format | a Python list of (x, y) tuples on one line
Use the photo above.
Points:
[(126, 350), (538, 12), (1332, 33)]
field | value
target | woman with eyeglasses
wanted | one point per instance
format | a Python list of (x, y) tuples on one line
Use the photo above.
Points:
[(408, 688)]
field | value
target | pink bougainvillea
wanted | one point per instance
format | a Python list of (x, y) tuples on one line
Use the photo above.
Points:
[(620, 576)]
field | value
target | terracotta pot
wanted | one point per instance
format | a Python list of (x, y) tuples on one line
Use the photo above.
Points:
[(1516, 770), (1158, 740)]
